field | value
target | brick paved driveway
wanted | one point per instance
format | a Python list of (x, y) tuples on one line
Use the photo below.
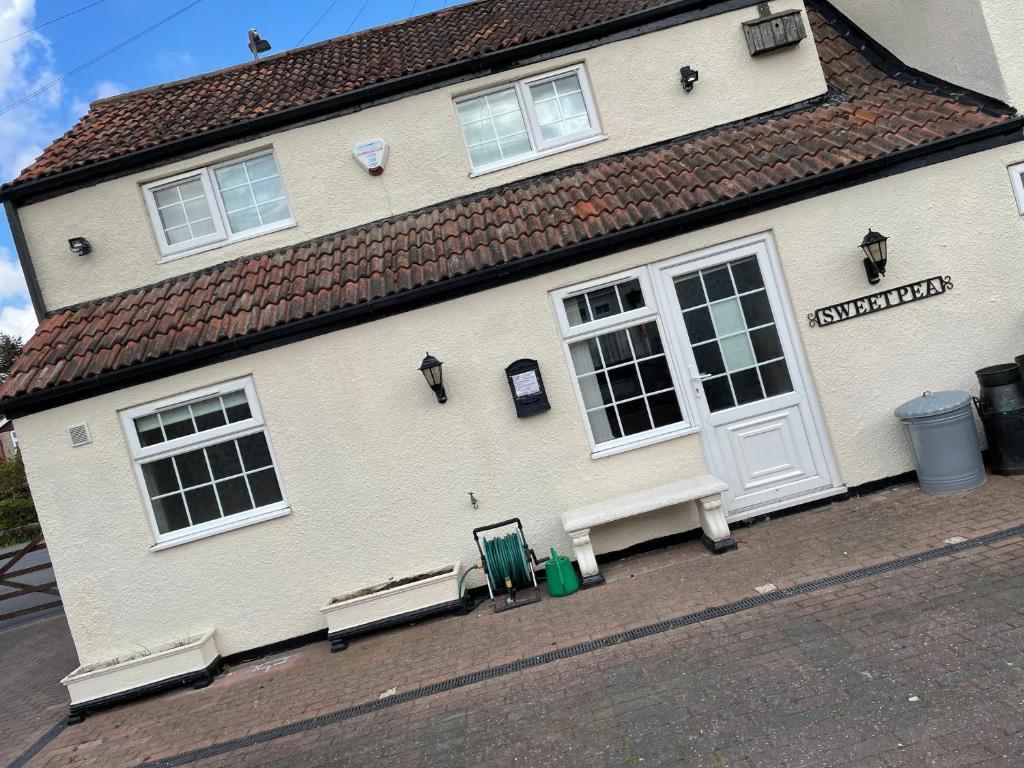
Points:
[(919, 666)]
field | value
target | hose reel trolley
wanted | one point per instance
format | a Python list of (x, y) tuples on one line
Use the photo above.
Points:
[(508, 563)]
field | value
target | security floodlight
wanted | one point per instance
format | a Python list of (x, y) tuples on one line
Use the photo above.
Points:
[(257, 44)]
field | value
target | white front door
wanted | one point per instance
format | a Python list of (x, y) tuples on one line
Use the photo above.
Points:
[(754, 398)]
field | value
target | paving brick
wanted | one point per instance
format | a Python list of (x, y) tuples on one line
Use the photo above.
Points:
[(821, 679)]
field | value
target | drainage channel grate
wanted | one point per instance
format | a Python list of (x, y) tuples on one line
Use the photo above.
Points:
[(41, 742), (589, 646), (519, 665)]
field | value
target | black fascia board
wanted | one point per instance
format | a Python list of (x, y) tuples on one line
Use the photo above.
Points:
[(25, 258), (1008, 132), (671, 13)]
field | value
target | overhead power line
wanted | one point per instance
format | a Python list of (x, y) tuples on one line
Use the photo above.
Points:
[(316, 23), (327, 10), (100, 57), (52, 21)]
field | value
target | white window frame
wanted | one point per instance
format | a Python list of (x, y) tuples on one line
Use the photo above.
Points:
[(140, 455), (223, 235), (541, 148), (1017, 180), (650, 312)]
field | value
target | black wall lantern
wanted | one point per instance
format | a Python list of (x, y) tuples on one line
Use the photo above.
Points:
[(431, 370), (876, 254), (689, 76)]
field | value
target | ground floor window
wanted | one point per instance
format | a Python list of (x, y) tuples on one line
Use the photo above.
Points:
[(205, 462), (622, 373)]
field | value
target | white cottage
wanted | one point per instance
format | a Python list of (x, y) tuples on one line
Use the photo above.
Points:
[(658, 207)]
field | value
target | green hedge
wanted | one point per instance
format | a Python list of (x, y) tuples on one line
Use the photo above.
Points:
[(16, 507)]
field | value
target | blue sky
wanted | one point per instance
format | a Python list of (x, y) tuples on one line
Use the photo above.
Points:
[(208, 36)]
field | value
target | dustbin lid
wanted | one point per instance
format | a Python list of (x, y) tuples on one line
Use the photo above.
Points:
[(933, 404)]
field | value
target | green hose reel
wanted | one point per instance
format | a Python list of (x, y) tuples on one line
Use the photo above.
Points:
[(508, 563)]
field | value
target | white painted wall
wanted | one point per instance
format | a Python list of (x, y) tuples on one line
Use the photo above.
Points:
[(1005, 20), (377, 472), (946, 38), (639, 98)]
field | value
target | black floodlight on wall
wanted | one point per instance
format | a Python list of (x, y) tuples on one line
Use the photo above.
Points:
[(79, 246), (876, 254), (431, 370), (689, 76)]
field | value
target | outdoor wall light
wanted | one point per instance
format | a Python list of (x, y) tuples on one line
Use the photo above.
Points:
[(876, 253), (79, 246), (689, 76), (431, 370)]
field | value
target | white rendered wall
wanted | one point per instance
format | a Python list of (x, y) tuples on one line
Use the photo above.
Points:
[(378, 472), (946, 38), (639, 99)]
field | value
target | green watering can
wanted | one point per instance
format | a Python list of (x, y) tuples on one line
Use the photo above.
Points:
[(562, 579)]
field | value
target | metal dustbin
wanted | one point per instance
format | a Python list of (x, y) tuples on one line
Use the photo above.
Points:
[(945, 441)]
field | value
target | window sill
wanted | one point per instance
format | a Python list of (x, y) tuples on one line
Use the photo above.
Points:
[(537, 156), (232, 525), (167, 258), (614, 450)]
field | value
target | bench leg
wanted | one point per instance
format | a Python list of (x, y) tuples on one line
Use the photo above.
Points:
[(717, 536), (585, 558)]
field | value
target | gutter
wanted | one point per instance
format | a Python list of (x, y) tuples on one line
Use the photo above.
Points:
[(1001, 134), (362, 97)]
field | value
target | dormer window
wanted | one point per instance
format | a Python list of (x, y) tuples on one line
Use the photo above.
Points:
[(221, 204), (527, 119)]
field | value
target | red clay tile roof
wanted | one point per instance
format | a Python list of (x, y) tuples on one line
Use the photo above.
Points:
[(130, 122), (876, 116)]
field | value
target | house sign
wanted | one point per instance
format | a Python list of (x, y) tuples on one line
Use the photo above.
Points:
[(876, 302)]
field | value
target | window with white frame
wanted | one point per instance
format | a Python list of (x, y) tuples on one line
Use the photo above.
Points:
[(220, 204), (205, 462), (528, 118), (616, 350), (1017, 179)]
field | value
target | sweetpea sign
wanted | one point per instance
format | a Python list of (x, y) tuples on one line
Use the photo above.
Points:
[(876, 302)]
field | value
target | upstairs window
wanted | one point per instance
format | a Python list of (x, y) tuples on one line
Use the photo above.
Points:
[(527, 119), (217, 205), (1017, 179)]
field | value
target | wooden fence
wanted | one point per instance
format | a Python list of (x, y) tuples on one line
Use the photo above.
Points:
[(11, 587)]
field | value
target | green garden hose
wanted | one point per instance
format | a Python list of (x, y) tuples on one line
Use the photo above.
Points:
[(507, 566), (462, 580)]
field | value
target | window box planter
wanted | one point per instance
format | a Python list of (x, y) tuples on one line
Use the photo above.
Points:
[(192, 661), (399, 601)]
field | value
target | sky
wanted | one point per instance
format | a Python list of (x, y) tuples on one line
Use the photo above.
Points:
[(210, 35)]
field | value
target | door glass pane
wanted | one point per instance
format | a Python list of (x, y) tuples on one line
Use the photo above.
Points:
[(733, 334), (718, 283), (728, 317), (709, 359), (737, 352), (747, 274), (776, 378), (766, 344), (757, 310), (747, 387), (698, 325), (719, 394)]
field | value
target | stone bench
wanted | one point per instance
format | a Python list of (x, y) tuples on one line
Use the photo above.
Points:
[(706, 490)]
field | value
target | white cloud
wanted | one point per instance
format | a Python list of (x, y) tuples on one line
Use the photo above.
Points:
[(18, 321), (12, 282), (101, 90)]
